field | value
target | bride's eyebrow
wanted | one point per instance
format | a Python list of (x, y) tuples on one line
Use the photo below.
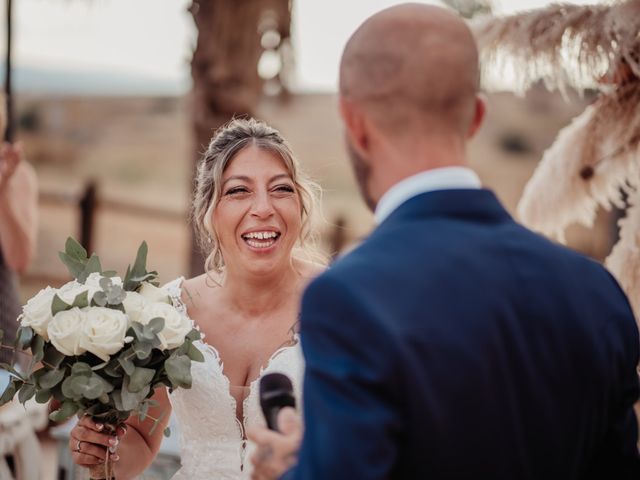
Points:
[(280, 176), (243, 178)]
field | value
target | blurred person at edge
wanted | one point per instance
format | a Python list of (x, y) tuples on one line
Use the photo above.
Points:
[(18, 229)]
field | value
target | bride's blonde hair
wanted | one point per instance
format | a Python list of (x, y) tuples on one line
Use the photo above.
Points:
[(227, 142)]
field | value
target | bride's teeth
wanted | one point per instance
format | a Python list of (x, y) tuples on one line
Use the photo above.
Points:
[(261, 235)]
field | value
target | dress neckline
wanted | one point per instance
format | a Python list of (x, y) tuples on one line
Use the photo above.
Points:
[(175, 291)]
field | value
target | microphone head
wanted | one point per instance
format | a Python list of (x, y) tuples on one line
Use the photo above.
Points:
[(276, 392)]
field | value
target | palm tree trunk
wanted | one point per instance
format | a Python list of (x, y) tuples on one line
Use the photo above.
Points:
[(224, 67)]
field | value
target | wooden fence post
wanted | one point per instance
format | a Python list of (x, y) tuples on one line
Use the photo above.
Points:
[(87, 206)]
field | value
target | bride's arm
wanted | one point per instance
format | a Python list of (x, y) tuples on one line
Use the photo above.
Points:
[(138, 447)]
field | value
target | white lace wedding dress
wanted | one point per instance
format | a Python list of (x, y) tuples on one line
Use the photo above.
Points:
[(213, 443)]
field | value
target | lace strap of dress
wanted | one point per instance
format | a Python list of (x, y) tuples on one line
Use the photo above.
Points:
[(174, 288)]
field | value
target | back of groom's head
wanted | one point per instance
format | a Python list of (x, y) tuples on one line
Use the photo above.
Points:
[(413, 68)]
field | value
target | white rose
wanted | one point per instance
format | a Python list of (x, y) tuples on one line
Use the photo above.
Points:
[(134, 304), (103, 331), (93, 281), (65, 331), (37, 312), (154, 294), (176, 326), (70, 290)]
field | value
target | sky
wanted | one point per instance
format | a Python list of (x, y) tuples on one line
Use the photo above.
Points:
[(153, 39)]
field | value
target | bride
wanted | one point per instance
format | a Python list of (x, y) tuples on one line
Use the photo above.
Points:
[(253, 210)]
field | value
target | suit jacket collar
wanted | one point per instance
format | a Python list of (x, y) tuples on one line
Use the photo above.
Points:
[(473, 204), (445, 178)]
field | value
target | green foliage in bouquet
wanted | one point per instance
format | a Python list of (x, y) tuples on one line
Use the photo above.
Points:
[(100, 345)]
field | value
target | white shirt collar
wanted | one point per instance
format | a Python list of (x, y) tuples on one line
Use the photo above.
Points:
[(446, 178)]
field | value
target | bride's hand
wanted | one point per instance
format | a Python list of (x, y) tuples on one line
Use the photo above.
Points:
[(89, 443)]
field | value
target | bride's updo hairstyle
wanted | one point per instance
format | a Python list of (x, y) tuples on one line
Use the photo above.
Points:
[(227, 142)]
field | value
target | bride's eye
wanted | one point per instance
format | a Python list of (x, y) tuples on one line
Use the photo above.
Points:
[(284, 189), (236, 190)]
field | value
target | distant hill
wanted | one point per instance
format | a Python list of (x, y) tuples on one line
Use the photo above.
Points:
[(68, 82)]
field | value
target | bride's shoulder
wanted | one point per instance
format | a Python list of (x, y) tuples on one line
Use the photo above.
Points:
[(310, 270)]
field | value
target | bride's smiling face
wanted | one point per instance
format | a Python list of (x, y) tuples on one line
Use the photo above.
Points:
[(258, 217)]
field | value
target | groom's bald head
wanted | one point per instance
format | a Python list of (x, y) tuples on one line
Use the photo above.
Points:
[(411, 67)]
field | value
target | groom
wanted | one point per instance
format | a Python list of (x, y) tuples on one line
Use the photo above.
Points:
[(453, 343)]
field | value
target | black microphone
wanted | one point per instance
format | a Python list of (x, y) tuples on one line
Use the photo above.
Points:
[(276, 392)]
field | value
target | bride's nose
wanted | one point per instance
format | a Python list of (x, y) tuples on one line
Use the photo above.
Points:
[(262, 206)]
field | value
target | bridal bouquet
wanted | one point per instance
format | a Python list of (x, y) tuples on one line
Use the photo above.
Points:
[(100, 344)]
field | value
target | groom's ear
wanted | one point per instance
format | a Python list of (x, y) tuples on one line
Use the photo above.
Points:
[(355, 125)]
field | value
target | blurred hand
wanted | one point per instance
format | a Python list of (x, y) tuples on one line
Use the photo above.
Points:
[(276, 452), (10, 156), (89, 442)]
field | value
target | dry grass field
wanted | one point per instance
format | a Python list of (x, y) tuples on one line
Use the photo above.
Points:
[(139, 151)]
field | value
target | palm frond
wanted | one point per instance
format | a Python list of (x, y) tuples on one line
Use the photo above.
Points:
[(592, 163), (562, 45), (624, 260)]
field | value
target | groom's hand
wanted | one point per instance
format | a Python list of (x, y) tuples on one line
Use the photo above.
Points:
[(276, 452)]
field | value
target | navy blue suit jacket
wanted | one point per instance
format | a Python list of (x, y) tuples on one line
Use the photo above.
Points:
[(456, 344)]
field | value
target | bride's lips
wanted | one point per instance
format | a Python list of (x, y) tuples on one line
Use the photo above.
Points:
[(261, 240)]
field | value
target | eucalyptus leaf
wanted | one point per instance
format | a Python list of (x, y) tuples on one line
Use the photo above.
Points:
[(81, 300), (140, 265), (99, 299), (68, 389), (144, 410), (156, 325), (51, 379), (139, 271), (10, 391), (90, 388), (75, 250), (140, 378), (142, 349), (52, 356), (24, 335), (127, 364), (117, 401), (179, 371), (43, 396), (11, 370), (27, 391), (37, 348), (92, 266), (195, 354), (99, 366), (144, 278), (194, 335), (132, 400), (74, 266), (66, 411), (105, 283), (118, 307), (58, 305), (157, 422), (81, 368)]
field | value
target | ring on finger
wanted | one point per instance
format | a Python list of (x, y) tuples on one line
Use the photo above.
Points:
[(77, 449)]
